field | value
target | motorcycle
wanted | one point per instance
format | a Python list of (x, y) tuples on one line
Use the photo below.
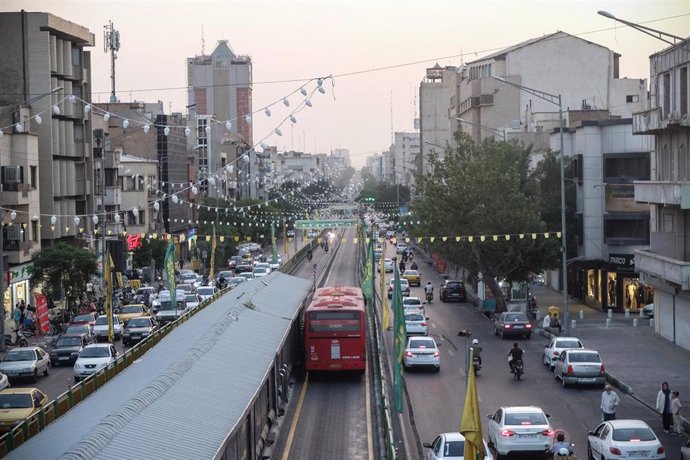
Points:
[(518, 369), (532, 306), (476, 364), (429, 297), (19, 339)]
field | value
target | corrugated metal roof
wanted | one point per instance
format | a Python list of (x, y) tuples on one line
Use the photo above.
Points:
[(185, 395)]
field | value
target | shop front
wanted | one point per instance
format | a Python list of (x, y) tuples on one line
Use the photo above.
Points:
[(17, 287), (624, 290)]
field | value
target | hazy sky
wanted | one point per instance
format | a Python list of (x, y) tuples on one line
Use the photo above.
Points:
[(293, 40)]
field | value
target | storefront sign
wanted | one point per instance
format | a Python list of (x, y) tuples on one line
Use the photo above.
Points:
[(20, 273), (42, 311), (623, 262), (133, 241)]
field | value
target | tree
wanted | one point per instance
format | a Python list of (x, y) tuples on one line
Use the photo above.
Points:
[(63, 268), (150, 249), (486, 189)]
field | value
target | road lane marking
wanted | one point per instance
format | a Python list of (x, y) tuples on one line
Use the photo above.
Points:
[(293, 427), (367, 405), (450, 352)]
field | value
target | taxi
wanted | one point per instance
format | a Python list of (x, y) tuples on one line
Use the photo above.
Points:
[(413, 277), (132, 310), (18, 404)]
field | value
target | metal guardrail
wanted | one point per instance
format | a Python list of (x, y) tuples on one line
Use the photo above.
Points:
[(78, 392)]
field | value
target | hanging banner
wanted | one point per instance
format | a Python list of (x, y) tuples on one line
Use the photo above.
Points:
[(42, 311)]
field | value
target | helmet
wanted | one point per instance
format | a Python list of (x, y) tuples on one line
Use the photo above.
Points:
[(563, 452), (428, 282), (475, 342)]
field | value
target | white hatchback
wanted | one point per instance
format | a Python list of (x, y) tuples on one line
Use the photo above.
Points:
[(93, 358), (388, 265), (520, 429), (624, 439), (556, 346)]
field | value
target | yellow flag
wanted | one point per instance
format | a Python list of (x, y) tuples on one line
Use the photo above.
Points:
[(213, 254), (471, 424), (108, 276)]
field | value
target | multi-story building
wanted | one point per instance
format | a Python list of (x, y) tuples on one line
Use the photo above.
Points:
[(171, 154), (666, 263), (374, 167), (610, 224), (404, 151), (50, 69), (585, 74), (436, 96), (220, 91), (137, 177)]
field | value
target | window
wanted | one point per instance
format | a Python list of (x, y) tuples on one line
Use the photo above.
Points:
[(666, 93), (34, 175), (632, 98), (34, 231), (684, 91), (626, 167), (621, 230), (76, 56)]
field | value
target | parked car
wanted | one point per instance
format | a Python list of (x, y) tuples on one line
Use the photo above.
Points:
[(453, 290), (133, 310), (512, 323), (88, 319), (580, 366), (93, 358), (25, 362), (450, 446), (80, 329), (67, 348), (556, 346), (404, 287), (388, 265), (18, 404), (413, 277), (416, 324), (422, 352), (100, 330), (520, 429), (138, 329), (186, 287), (624, 439), (4, 381)]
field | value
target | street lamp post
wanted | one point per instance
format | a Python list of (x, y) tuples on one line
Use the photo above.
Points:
[(502, 132), (644, 29), (555, 100)]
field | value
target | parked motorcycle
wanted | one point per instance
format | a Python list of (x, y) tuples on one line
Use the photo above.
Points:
[(19, 339)]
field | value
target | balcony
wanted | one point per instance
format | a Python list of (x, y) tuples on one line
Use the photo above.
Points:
[(652, 122), (16, 194), (664, 193), (671, 270)]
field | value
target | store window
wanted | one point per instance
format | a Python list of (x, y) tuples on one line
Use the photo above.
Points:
[(611, 289), (593, 284)]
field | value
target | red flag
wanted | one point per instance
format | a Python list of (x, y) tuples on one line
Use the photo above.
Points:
[(42, 311)]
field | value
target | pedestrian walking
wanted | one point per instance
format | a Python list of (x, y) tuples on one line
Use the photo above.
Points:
[(609, 403), (547, 322), (17, 316), (676, 406), (663, 406)]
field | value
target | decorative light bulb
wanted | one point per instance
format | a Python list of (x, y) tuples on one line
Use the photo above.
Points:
[(135, 211), (246, 158), (116, 217), (53, 220), (279, 132), (286, 102), (195, 190), (228, 168), (175, 199), (125, 123), (212, 181), (147, 128), (38, 119), (293, 119), (106, 117), (267, 112), (248, 119), (13, 215), (73, 99), (87, 108), (19, 127), (307, 102), (166, 131), (56, 110), (264, 145), (77, 220), (228, 125), (303, 91), (187, 132), (156, 206), (208, 129), (322, 90), (95, 219)]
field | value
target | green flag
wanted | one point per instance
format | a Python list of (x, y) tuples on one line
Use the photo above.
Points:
[(367, 288), (400, 339), (170, 270)]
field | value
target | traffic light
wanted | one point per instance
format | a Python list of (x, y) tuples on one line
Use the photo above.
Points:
[(369, 199)]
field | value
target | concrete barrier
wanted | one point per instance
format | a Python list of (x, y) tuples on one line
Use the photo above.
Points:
[(618, 383)]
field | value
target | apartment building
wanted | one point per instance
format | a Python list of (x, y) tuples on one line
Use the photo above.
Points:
[(404, 152), (666, 263), (437, 95)]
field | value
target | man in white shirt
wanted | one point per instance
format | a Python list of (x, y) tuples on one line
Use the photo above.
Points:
[(609, 403)]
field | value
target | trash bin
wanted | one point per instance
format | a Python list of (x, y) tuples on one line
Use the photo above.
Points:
[(554, 312)]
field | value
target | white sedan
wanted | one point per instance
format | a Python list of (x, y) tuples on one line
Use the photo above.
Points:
[(388, 265), (92, 359), (450, 446), (422, 352), (520, 429), (416, 324), (556, 346), (624, 439), (100, 329)]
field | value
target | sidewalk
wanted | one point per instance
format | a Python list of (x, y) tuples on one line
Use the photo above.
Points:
[(636, 359)]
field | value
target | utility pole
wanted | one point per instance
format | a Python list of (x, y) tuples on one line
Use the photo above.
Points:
[(2, 278)]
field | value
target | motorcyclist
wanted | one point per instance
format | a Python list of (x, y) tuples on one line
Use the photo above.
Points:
[(515, 355), (560, 447), (401, 266), (476, 350), (414, 266), (309, 255), (429, 290)]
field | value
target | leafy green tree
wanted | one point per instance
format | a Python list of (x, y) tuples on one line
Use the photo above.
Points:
[(150, 249), (486, 189), (63, 268)]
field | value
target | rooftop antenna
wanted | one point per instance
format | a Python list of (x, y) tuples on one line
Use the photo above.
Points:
[(392, 135), (111, 43), (203, 41)]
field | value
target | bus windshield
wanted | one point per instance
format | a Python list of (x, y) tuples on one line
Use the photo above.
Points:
[(334, 321)]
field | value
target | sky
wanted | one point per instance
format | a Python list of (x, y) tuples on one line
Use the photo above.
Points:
[(376, 50)]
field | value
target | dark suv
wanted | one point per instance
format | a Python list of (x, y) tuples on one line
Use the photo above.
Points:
[(453, 290)]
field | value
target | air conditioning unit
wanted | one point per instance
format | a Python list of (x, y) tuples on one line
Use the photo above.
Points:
[(12, 175), (516, 124)]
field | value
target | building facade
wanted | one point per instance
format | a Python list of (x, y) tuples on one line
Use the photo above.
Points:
[(666, 263), (405, 151), (436, 96)]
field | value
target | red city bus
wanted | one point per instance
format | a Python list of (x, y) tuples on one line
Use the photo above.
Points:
[(335, 330)]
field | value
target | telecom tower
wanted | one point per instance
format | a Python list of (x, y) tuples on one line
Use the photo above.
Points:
[(111, 43)]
